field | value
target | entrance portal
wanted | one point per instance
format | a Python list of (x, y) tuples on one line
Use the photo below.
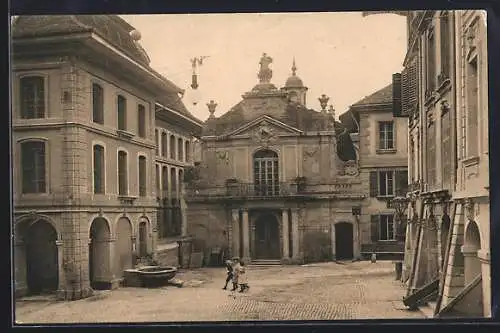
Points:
[(267, 239), (344, 241), (99, 247), (123, 245), (41, 258)]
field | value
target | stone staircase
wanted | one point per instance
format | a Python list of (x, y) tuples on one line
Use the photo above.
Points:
[(265, 263)]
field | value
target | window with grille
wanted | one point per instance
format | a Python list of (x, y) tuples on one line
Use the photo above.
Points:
[(266, 173), (172, 147), (142, 176), (141, 115), (97, 104), (99, 172), (386, 135), (121, 104), (33, 167), (32, 97), (386, 227), (388, 183), (122, 173)]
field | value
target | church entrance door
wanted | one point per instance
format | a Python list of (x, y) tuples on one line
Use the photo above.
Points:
[(267, 238), (344, 241)]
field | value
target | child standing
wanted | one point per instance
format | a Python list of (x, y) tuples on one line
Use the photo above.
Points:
[(242, 278), (229, 272), (236, 271)]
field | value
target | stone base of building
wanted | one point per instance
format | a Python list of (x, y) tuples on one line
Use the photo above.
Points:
[(21, 292), (74, 294), (286, 261)]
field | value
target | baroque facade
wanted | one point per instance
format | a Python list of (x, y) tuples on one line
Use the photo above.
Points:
[(279, 181), (83, 114), (444, 94), (383, 160)]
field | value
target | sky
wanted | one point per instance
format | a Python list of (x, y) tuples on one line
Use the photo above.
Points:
[(343, 55)]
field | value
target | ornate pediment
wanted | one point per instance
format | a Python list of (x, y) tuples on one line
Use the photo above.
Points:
[(264, 130)]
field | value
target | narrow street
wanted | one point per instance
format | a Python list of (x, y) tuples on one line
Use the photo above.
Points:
[(327, 291)]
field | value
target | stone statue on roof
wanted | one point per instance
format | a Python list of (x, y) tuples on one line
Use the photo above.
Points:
[(265, 73)]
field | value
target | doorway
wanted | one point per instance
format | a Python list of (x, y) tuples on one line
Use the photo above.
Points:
[(143, 236), (267, 238), (99, 261), (42, 258), (344, 241)]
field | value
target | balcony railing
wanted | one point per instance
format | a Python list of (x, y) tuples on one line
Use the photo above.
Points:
[(272, 190)]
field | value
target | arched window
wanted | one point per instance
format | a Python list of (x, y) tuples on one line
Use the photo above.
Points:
[(266, 173), (33, 167), (99, 169), (172, 147)]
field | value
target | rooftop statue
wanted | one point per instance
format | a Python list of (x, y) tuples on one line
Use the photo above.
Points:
[(265, 73)]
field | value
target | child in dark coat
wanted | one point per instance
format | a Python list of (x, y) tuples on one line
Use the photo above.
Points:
[(229, 272)]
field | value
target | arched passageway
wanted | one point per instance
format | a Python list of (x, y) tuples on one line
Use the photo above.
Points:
[(143, 239), (99, 254), (124, 247), (471, 245), (42, 272)]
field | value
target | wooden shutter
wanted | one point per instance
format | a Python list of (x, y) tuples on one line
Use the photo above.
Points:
[(409, 87), (373, 183), (375, 222), (396, 95), (401, 182)]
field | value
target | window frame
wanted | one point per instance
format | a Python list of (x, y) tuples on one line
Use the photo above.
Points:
[(141, 121), (172, 146), (127, 172), (121, 113), (20, 98), (46, 164), (103, 177), (97, 84), (382, 142), (379, 182), (145, 187), (383, 219)]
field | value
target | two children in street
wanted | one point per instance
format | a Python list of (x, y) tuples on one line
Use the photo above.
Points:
[(236, 273)]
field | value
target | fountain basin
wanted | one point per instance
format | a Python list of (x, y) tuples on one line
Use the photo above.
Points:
[(156, 276)]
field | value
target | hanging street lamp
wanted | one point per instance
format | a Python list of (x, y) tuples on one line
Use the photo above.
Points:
[(400, 204)]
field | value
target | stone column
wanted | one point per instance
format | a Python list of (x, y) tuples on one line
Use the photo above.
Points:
[(484, 257), (235, 220), (295, 234), (252, 239), (284, 224), (246, 236), (61, 285), (472, 265), (114, 282)]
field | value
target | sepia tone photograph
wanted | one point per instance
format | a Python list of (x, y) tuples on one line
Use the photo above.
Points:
[(250, 167)]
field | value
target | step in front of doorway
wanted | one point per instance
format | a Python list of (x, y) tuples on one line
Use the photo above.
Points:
[(265, 263)]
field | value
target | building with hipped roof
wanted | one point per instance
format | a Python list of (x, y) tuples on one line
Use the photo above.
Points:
[(84, 110)]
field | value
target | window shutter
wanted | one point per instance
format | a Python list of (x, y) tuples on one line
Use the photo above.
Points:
[(405, 83), (375, 221), (401, 182), (409, 87), (373, 183), (396, 94)]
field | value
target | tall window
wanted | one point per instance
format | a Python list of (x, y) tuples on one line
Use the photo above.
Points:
[(122, 173), (431, 61), (141, 121), (388, 183), (173, 182), (431, 154), (187, 148), (386, 229), (142, 176), (266, 173), (164, 177), (172, 147), (386, 135), (97, 104), (446, 151), (445, 35), (33, 167), (181, 176), (157, 142), (164, 144), (32, 97), (158, 181), (472, 108), (99, 169), (180, 150), (121, 104)]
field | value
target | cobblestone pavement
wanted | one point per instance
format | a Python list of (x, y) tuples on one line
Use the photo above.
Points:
[(328, 291)]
